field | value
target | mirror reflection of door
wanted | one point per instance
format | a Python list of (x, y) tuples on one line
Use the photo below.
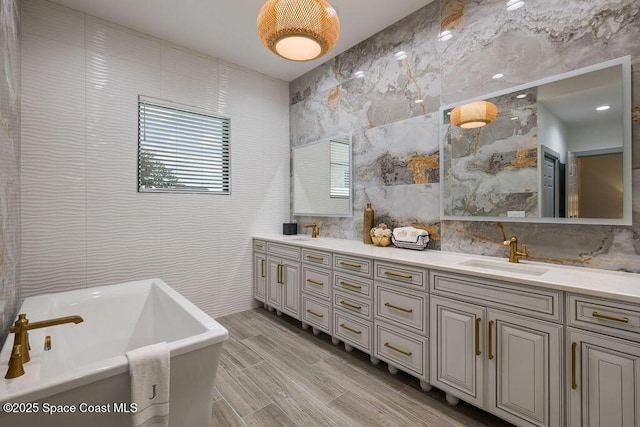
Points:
[(599, 185)]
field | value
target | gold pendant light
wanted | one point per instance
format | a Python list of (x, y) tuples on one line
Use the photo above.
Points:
[(474, 114), (299, 30)]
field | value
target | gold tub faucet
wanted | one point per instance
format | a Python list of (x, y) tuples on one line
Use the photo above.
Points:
[(20, 352), (514, 253), (315, 230)]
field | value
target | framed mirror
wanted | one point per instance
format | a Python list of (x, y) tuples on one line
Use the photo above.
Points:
[(322, 177), (556, 150)]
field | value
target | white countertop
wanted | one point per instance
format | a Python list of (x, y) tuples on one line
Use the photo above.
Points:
[(601, 283)]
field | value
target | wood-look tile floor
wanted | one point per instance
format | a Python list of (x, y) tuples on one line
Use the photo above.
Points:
[(274, 373)]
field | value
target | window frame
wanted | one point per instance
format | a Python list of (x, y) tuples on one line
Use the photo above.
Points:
[(189, 109)]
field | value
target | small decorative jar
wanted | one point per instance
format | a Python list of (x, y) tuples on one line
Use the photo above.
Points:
[(381, 235)]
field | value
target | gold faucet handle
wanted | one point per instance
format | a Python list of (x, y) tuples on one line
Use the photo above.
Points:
[(524, 251)]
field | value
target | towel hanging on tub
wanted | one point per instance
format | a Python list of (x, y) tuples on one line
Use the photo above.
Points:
[(149, 371)]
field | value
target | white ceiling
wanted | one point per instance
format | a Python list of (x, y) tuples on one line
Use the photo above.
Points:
[(226, 29)]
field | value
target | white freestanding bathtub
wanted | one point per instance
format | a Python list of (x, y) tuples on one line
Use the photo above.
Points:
[(86, 370)]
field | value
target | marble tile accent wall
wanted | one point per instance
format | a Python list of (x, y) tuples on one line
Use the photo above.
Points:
[(396, 139), (83, 222), (9, 163)]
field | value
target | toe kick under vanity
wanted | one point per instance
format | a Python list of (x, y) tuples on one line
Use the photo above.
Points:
[(534, 344)]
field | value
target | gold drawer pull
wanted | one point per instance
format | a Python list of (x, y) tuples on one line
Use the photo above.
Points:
[(406, 310), (399, 275), (406, 353), (349, 285), (280, 274), (262, 267), (574, 383), (313, 282), (478, 352), (315, 258), (605, 317), (342, 325), (348, 264), (356, 307), (314, 313), (490, 339)]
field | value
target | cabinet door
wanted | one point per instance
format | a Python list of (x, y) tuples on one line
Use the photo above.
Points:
[(291, 288), (457, 352), (524, 366), (259, 276), (603, 380), (274, 287)]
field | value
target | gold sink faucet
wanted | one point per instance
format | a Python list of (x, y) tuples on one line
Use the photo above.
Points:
[(315, 230), (21, 347), (514, 253)]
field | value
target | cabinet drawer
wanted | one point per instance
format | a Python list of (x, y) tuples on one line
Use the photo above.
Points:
[(352, 304), (259, 245), (404, 350), (292, 252), (606, 316), (402, 307), (353, 265), (353, 285), (353, 331), (531, 301), (316, 281), (316, 313), (312, 256), (404, 275)]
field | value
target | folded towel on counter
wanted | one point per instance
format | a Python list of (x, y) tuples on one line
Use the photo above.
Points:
[(408, 234), (149, 371)]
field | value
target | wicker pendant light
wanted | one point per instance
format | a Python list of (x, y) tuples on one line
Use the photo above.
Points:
[(474, 114), (299, 30)]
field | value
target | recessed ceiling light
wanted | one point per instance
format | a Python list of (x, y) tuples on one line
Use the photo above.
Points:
[(514, 4), (448, 113), (514, 118), (603, 107), (401, 55), (419, 101), (497, 76), (445, 35), (358, 74), (522, 95)]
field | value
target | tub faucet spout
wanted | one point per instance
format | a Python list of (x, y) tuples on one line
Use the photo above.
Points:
[(21, 347)]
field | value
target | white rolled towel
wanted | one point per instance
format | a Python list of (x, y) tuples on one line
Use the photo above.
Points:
[(408, 234), (149, 371)]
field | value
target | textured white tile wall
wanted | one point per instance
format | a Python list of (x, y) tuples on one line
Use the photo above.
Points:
[(83, 222)]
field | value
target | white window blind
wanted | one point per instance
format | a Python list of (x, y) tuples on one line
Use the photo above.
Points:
[(339, 163), (181, 150)]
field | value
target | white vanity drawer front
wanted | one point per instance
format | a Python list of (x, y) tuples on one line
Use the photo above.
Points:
[(358, 306), (353, 331), (523, 299), (259, 245), (404, 350), (316, 281), (312, 256), (353, 265), (405, 275), (600, 315), (292, 252), (316, 313), (402, 307), (353, 285)]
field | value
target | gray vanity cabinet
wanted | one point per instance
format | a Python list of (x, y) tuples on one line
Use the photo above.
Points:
[(283, 279), (602, 363), (506, 363)]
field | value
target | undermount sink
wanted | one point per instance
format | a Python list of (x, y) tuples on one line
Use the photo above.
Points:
[(505, 266)]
